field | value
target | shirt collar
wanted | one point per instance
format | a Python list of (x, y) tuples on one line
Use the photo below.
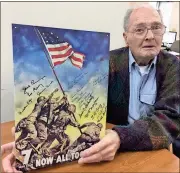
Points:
[(132, 61)]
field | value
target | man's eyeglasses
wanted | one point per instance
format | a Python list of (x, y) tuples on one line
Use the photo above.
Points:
[(157, 30)]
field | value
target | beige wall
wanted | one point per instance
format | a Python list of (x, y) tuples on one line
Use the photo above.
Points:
[(134, 4), (174, 24)]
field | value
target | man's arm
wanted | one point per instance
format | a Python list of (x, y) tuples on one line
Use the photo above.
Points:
[(73, 122), (162, 126)]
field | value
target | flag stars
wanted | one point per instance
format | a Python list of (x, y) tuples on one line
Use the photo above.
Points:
[(52, 39)]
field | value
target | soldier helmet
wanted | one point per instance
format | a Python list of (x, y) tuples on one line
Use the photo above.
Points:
[(100, 125), (41, 98), (21, 124)]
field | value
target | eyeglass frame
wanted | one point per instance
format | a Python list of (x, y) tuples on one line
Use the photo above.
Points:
[(146, 29)]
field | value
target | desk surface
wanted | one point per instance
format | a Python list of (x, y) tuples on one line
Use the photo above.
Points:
[(149, 161)]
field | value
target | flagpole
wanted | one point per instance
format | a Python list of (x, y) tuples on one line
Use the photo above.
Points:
[(47, 56)]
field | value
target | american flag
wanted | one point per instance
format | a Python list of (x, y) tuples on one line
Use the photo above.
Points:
[(59, 50)]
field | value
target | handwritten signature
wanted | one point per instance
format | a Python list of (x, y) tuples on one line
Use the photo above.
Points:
[(28, 102), (100, 79), (34, 89), (77, 79)]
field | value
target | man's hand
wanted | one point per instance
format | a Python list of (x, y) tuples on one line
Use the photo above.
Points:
[(104, 150), (8, 162)]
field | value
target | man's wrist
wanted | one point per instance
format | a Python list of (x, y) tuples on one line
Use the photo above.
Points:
[(117, 140)]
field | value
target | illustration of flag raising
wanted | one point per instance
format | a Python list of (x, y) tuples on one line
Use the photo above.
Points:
[(60, 51)]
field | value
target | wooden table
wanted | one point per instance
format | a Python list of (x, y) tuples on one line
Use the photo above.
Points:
[(150, 161)]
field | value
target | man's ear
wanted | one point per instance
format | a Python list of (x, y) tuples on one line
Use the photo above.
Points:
[(125, 38)]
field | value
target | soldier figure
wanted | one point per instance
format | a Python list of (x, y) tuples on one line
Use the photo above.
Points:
[(27, 125), (57, 130), (88, 137)]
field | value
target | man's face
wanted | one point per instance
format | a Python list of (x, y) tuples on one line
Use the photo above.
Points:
[(145, 45)]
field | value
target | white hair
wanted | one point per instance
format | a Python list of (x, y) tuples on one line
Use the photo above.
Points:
[(129, 12)]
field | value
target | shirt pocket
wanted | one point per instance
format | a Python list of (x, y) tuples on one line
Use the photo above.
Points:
[(148, 99)]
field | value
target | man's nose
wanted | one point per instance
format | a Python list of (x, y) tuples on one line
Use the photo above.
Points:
[(149, 34)]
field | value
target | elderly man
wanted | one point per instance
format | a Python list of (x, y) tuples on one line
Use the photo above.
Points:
[(144, 96), (143, 92)]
